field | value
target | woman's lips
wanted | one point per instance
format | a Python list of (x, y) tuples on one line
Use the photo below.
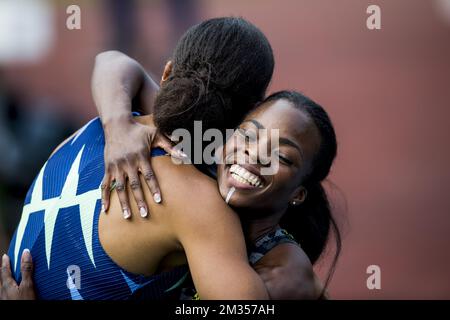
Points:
[(242, 178)]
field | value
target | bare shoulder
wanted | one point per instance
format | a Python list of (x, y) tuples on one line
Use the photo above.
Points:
[(288, 273), (194, 199)]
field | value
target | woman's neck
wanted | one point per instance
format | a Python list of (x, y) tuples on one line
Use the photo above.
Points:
[(256, 228)]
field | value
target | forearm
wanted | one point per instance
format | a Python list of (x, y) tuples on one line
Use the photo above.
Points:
[(215, 249), (120, 85), (283, 283)]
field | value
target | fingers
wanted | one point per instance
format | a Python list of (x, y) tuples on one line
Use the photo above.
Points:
[(26, 268), (124, 174), (136, 189), (122, 194), (5, 276), (106, 192), (150, 179), (1, 273), (164, 143)]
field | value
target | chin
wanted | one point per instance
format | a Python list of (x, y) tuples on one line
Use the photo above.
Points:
[(240, 201)]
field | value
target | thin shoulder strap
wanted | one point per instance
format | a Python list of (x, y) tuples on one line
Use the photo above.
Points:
[(268, 242)]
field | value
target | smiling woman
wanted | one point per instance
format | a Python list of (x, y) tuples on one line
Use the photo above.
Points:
[(293, 196)]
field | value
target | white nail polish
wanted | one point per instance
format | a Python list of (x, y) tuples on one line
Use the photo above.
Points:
[(143, 212), (157, 197), (103, 208), (126, 214), (182, 154)]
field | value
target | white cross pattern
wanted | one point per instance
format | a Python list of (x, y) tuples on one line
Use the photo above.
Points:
[(51, 207)]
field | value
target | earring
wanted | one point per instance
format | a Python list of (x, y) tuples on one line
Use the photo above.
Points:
[(295, 202)]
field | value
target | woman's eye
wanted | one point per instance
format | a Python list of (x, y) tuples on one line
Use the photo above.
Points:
[(284, 159)]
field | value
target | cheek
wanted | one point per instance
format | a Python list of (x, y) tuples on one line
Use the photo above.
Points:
[(221, 175), (286, 175), (280, 188), (220, 153), (234, 143)]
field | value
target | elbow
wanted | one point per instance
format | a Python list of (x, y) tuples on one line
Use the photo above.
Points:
[(285, 285), (115, 61), (108, 59), (107, 55), (264, 296), (258, 292)]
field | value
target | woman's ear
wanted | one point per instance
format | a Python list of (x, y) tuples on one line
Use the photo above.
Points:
[(299, 196), (167, 71)]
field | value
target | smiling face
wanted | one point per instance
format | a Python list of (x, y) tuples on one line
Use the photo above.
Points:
[(243, 158)]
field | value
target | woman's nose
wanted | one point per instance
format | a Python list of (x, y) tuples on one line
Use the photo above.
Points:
[(251, 151), (257, 152)]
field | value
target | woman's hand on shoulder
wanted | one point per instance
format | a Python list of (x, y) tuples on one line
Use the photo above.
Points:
[(128, 145), (9, 289)]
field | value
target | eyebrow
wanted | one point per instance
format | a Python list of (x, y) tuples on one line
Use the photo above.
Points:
[(256, 123), (282, 140), (291, 143)]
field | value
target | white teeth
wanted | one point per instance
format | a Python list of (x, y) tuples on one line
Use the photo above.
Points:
[(244, 176)]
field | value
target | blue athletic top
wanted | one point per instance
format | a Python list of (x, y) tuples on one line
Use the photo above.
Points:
[(59, 225)]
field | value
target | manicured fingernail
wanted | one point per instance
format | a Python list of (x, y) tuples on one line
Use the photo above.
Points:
[(4, 258), (103, 208), (182, 154), (26, 255), (157, 197), (126, 214), (143, 212)]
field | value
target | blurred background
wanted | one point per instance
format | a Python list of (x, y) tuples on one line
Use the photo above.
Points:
[(387, 91)]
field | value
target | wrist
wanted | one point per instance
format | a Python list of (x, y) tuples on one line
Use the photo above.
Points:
[(116, 122)]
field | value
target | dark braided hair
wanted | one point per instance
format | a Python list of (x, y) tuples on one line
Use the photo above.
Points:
[(221, 69)]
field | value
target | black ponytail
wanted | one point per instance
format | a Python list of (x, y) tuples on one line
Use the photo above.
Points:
[(311, 222)]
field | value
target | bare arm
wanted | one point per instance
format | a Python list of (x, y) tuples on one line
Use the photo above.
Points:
[(9, 289), (119, 85), (218, 262), (212, 237), (118, 80), (288, 274)]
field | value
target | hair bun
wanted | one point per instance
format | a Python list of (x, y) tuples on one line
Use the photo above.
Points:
[(199, 73)]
